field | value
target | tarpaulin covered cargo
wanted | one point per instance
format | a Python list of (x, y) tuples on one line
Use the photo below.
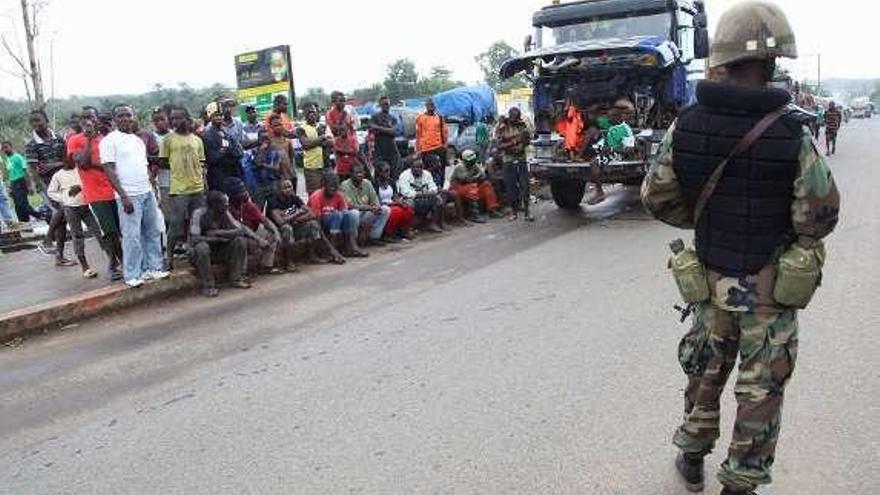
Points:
[(468, 103)]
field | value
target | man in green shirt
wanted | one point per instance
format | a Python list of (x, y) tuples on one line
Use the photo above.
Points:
[(618, 138), (481, 136), (313, 143), (16, 174), (361, 195), (183, 153)]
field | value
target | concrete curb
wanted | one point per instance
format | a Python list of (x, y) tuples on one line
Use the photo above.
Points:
[(33, 319)]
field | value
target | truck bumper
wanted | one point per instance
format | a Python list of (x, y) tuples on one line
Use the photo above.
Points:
[(627, 171)]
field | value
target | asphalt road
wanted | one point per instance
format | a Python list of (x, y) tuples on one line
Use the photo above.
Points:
[(507, 358)]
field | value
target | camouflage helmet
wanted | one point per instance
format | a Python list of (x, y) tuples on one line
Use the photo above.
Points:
[(469, 156), (755, 30)]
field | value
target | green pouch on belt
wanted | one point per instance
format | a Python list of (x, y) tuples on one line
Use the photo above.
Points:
[(689, 273), (798, 275)]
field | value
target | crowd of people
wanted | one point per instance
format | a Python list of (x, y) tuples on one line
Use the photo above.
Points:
[(219, 190)]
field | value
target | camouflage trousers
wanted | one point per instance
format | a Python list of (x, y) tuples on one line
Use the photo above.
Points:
[(766, 343)]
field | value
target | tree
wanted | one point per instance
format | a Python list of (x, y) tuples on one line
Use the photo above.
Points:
[(314, 95), (490, 63), (30, 68), (440, 80), (441, 72), (370, 93), (401, 79)]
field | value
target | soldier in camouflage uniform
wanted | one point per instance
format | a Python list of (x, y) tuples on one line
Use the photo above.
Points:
[(777, 193)]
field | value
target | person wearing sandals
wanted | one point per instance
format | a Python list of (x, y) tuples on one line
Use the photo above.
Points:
[(65, 189)]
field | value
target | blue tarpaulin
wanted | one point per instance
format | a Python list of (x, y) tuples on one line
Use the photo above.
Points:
[(468, 103)]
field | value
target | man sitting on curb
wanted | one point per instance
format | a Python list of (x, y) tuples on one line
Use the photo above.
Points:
[(298, 224), (470, 183), (216, 236), (437, 170), (262, 235), (361, 195), (338, 220), (419, 191)]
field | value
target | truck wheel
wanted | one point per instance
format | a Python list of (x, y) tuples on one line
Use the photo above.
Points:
[(567, 194)]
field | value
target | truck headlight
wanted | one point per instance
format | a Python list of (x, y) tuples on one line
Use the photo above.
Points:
[(648, 60)]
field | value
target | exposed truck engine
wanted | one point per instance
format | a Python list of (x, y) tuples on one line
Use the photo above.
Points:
[(643, 55)]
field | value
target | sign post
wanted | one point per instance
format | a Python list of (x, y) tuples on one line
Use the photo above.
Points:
[(262, 75)]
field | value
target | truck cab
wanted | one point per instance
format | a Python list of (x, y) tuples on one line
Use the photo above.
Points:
[(590, 54)]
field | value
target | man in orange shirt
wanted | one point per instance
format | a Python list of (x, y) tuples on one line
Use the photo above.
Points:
[(431, 135), (279, 108)]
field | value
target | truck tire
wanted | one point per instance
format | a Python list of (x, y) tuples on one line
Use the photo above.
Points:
[(567, 194)]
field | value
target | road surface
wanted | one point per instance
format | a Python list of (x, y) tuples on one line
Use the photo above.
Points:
[(506, 358)]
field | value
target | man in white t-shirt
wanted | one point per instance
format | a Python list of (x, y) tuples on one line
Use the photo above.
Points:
[(124, 158)]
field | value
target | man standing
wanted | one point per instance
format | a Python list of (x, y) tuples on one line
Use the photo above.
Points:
[(65, 188), (833, 119), (280, 108), (6, 213), (97, 191), (45, 153), (124, 157), (161, 128), (482, 138), (743, 217), (345, 145), (383, 125), (183, 155), (313, 143), (361, 195), (265, 165), (216, 236), (431, 136), (513, 138), (222, 150), (16, 173), (341, 222), (337, 116), (470, 183), (279, 142), (232, 123), (252, 128)]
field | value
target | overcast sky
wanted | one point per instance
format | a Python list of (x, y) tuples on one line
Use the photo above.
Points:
[(126, 46)]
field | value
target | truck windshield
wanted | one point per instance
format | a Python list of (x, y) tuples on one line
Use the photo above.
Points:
[(649, 25)]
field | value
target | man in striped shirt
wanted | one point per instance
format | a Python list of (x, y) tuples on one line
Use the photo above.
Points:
[(833, 118)]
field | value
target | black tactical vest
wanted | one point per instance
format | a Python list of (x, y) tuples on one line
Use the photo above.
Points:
[(749, 215)]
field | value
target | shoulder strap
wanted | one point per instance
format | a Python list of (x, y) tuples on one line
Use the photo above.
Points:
[(742, 146)]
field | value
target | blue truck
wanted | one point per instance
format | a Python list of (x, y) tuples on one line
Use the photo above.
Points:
[(595, 53)]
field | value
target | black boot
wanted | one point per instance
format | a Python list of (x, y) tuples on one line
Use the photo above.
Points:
[(473, 212), (691, 471), (728, 491)]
